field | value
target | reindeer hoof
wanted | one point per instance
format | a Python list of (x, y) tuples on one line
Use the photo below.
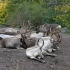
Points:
[(54, 55), (43, 61)]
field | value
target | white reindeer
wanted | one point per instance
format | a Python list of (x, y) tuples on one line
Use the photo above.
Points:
[(35, 52)]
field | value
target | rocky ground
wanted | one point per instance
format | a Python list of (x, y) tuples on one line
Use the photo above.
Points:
[(15, 59)]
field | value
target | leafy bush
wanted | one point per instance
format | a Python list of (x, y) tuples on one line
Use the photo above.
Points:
[(64, 14), (3, 12), (24, 11), (17, 12)]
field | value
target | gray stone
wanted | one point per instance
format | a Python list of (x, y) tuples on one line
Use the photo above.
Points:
[(64, 30)]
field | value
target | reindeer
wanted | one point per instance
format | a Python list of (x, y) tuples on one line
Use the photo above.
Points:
[(48, 28), (9, 31), (35, 52), (43, 46), (13, 42), (28, 41)]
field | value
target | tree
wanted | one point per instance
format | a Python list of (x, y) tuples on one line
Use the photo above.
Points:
[(64, 13), (3, 11)]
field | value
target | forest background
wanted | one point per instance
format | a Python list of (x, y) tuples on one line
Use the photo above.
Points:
[(16, 12)]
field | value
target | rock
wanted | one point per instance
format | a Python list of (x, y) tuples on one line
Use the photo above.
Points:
[(64, 30)]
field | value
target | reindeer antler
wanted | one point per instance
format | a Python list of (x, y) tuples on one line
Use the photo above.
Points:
[(38, 42), (52, 32), (60, 37), (23, 36)]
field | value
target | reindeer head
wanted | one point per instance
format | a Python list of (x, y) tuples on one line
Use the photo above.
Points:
[(23, 43)]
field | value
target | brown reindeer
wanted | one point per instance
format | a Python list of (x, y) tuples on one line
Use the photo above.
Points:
[(13, 42)]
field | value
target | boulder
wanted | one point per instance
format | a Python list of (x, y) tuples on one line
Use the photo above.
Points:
[(64, 30)]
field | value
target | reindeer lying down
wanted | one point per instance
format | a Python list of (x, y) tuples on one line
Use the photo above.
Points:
[(48, 28), (42, 48), (9, 31), (13, 42), (28, 41), (35, 52)]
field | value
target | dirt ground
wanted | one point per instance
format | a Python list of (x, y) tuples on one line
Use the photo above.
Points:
[(15, 59)]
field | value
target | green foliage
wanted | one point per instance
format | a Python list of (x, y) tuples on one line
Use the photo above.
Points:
[(3, 11), (24, 11), (64, 15), (17, 12)]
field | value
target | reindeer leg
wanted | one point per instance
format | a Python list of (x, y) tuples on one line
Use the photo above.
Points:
[(49, 54), (53, 55), (55, 49), (42, 61), (37, 59)]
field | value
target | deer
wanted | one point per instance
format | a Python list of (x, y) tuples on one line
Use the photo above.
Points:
[(12, 43), (43, 46), (35, 52), (48, 28)]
